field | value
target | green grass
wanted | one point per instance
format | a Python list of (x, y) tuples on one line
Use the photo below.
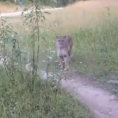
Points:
[(46, 101), (97, 49), (96, 52), (95, 36)]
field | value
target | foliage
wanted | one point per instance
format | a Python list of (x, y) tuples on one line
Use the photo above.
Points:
[(10, 51), (45, 2), (46, 101), (22, 92)]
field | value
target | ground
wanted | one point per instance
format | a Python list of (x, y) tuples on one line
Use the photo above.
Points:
[(101, 102)]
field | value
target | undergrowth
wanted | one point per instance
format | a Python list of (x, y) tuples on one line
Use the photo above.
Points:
[(46, 101)]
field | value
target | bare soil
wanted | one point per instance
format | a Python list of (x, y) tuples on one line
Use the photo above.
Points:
[(100, 101)]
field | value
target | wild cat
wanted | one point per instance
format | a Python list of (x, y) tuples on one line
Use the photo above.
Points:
[(64, 47)]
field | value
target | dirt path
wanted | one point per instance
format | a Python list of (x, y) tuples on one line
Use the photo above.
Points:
[(101, 102), (15, 14)]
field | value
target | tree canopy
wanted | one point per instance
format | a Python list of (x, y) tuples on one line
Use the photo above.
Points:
[(47, 2)]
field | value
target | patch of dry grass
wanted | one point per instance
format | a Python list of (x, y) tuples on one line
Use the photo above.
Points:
[(5, 8), (78, 15), (81, 14)]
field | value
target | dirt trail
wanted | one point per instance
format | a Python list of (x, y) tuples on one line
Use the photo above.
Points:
[(15, 14), (101, 102)]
